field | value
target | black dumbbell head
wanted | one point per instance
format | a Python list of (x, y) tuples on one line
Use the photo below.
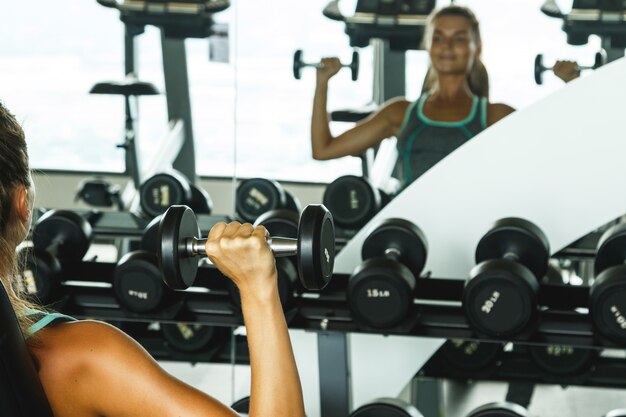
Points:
[(316, 247), (283, 223), (470, 355), (518, 237), (297, 64), (352, 200), (178, 270), (200, 202), (387, 407), (97, 192), (400, 236), (242, 405), (380, 293), (611, 248), (562, 359), (502, 409), (192, 337), (40, 277), (150, 236), (137, 282), (500, 297), (163, 190), (553, 276), (70, 230), (292, 203), (256, 196), (539, 69), (607, 303), (599, 59), (354, 65)]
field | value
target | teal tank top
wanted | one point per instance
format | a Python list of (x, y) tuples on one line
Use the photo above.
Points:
[(423, 142), (43, 320)]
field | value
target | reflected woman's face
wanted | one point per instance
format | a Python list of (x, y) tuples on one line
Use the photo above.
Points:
[(451, 45)]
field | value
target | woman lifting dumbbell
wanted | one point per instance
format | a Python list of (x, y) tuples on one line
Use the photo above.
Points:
[(453, 108), (90, 368)]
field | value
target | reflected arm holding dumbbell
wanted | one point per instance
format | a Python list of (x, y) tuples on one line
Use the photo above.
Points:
[(566, 70)]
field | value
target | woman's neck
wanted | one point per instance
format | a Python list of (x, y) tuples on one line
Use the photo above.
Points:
[(451, 87)]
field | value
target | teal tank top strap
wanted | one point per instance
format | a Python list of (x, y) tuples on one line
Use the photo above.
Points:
[(45, 320), (483, 112)]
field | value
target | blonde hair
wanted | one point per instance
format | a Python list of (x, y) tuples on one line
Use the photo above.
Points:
[(15, 172), (477, 78)]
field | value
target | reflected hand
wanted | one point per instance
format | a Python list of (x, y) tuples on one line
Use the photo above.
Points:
[(566, 70), (330, 67)]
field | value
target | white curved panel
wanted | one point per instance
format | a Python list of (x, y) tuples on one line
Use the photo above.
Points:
[(559, 163)]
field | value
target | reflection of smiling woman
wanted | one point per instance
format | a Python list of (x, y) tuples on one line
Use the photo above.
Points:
[(453, 108)]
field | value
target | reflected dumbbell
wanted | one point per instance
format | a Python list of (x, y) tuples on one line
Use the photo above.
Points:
[(380, 291), (60, 237), (470, 355), (501, 295), (607, 296), (99, 192), (500, 409), (170, 188), (193, 337), (599, 60), (387, 407), (562, 359), (256, 196), (179, 247), (353, 201), (298, 64)]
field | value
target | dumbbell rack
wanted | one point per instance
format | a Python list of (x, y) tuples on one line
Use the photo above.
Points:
[(88, 292)]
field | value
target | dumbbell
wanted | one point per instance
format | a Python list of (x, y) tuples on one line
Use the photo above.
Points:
[(315, 247), (599, 60), (499, 409), (60, 237), (607, 296), (170, 188), (298, 64), (137, 281), (242, 405), (500, 297), (387, 407), (256, 196), (353, 201), (193, 337), (563, 359), (99, 192), (380, 291), (470, 355)]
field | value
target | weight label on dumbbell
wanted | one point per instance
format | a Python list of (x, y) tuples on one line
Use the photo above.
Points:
[(559, 350), (27, 282), (490, 303), (257, 199), (619, 317), (161, 196), (354, 200), (138, 294), (378, 293)]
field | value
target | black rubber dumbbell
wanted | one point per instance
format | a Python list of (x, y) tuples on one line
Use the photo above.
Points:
[(60, 238), (599, 60), (607, 296), (470, 356), (500, 298), (256, 196), (500, 409), (353, 201), (99, 192), (193, 337), (380, 291), (242, 405), (137, 279), (386, 407), (166, 189), (563, 360), (298, 64)]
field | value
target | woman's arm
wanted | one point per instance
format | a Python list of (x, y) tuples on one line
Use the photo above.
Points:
[(90, 368), (369, 132)]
